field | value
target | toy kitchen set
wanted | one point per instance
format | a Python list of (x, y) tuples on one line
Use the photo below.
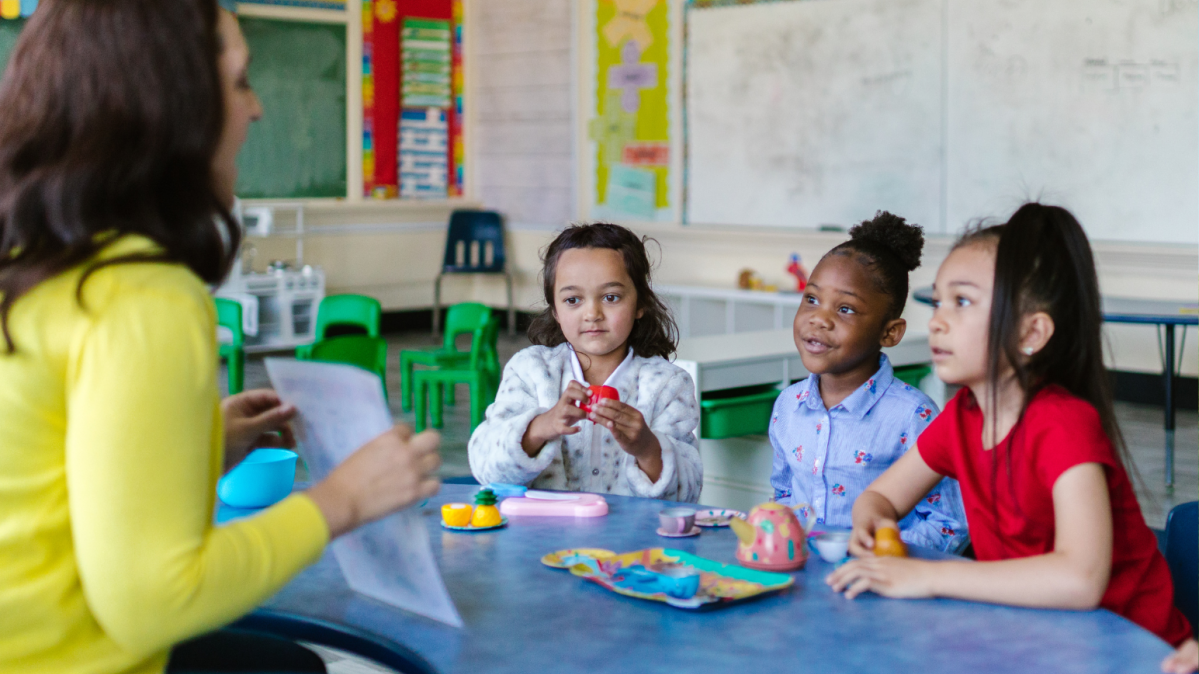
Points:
[(278, 305)]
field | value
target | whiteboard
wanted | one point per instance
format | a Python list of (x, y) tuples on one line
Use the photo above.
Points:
[(809, 113), (823, 111), (1090, 104)]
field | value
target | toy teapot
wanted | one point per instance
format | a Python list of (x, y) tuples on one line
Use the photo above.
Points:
[(772, 539)]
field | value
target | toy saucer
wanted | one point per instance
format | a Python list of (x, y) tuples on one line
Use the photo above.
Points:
[(694, 532), (718, 517), (503, 523)]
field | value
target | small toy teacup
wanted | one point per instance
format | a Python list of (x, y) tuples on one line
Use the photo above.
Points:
[(677, 520), (833, 546)]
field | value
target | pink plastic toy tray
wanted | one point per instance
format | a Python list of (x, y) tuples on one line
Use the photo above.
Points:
[(555, 504)]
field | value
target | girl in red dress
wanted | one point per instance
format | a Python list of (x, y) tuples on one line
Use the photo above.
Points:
[(1031, 437)]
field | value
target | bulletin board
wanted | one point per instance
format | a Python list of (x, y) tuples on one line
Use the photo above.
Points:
[(630, 125), (412, 86)]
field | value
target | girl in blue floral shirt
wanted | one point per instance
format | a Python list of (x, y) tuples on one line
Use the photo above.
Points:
[(840, 428)]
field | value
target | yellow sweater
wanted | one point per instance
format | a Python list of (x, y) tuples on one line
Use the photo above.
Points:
[(111, 443)]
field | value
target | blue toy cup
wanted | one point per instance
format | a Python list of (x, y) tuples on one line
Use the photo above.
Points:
[(263, 478)]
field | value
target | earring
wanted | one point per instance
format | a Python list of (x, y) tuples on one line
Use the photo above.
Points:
[(1027, 350)]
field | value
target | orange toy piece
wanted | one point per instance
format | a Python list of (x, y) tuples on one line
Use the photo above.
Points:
[(486, 514), (888, 544)]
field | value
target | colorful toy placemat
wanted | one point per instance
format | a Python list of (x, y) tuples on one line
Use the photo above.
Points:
[(719, 584)]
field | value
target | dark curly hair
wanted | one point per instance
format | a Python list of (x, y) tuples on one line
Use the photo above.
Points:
[(890, 248), (654, 334)]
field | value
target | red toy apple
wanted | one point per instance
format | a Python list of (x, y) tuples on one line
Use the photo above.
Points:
[(598, 393)]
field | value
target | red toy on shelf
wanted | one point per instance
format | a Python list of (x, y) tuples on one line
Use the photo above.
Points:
[(797, 270)]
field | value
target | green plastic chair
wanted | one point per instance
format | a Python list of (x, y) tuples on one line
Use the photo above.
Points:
[(359, 310), (228, 315), (481, 374), (460, 319), (364, 351)]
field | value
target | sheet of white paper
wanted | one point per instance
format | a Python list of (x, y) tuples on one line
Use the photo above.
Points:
[(341, 408)]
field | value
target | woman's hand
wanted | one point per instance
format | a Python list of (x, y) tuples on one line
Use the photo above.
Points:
[(389, 473), (1185, 660), (861, 539), (895, 577), (558, 421), (633, 435), (253, 419)]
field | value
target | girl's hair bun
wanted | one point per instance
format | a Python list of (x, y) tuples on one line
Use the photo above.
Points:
[(894, 234)]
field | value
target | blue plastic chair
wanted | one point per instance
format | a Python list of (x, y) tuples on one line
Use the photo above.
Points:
[(1182, 555), (341, 637), (474, 244)]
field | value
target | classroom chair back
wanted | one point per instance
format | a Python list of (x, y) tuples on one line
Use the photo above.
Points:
[(359, 310), (461, 319), (465, 318), (474, 244), (1182, 555), (228, 315), (364, 351), (348, 309), (481, 374)]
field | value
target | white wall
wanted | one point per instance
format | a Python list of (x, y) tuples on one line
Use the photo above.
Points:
[(520, 97), (523, 86)]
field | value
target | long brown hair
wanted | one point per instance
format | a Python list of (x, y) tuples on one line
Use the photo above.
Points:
[(1043, 262), (654, 334), (112, 113)]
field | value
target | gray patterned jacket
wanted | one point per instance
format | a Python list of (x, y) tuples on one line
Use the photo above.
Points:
[(590, 460)]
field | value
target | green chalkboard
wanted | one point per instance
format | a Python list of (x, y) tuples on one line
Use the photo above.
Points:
[(298, 148), (298, 69), (9, 31)]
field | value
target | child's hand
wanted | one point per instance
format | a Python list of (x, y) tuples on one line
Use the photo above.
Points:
[(895, 577), (861, 539), (1185, 660), (558, 421), (631, 432)]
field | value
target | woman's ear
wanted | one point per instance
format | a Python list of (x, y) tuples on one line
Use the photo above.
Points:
[(893, 332), (1036, 329)]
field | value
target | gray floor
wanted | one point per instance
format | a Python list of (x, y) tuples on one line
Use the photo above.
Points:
[(1142, 427)]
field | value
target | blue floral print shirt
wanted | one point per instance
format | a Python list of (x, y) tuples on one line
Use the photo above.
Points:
[(824, 458)]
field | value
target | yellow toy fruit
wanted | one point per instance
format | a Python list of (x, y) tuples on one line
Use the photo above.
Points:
[(456, 514), (888, 544), (486, 514)]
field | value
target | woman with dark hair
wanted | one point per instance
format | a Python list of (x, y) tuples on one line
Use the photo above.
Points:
[(603, 326), (121, 124)]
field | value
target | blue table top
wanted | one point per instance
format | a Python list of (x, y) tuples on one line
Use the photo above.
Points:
[(524, 617), (1124, 309)]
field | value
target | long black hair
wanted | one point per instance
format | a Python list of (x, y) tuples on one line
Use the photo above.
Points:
[(889, 248), (654, 334), (1043, 262), (113, 112)]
